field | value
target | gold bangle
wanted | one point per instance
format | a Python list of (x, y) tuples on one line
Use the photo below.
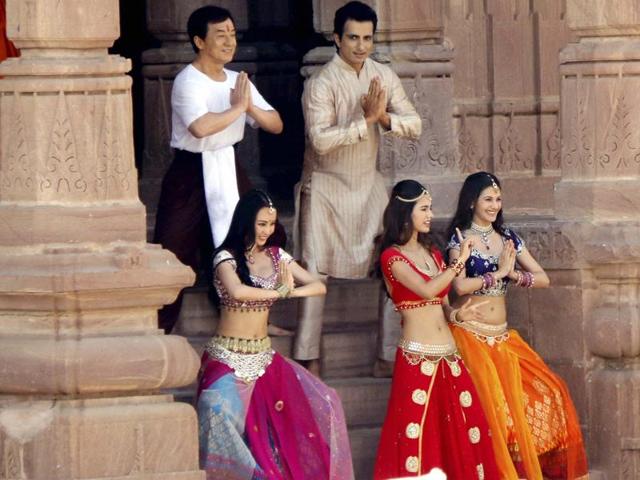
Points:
[(283, 290), (457, 266), (453, 315)]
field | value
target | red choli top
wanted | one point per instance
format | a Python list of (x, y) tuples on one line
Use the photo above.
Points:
[(403, 297)]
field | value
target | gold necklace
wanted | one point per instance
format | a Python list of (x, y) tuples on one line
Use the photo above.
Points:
[(482, 232), (422, 254)]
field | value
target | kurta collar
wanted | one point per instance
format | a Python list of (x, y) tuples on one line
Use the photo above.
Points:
[(337, 59)]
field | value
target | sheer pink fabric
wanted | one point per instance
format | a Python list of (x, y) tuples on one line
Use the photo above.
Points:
[(293, 427)]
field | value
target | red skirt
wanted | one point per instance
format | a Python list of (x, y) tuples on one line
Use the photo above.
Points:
[(434, 420)]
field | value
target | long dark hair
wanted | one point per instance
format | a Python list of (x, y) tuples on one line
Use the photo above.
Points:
[(397, 226), (242, 232), (473, 186)]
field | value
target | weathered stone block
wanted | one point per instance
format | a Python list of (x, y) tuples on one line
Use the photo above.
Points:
[(134, 437)]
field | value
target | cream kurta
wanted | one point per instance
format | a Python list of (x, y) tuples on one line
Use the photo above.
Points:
[(347, 193)]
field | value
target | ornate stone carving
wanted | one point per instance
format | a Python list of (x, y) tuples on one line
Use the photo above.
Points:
[(16, 176), (619, 152), (13, 461), (549, 245), (554, 148), (579, 150), (113, 173), (512, 156), (469, 157), (62, 173), (75, 264)]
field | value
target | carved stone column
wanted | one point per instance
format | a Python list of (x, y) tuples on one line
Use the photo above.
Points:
[(598, 200), (409, 39), (506, 89), (82, 362)]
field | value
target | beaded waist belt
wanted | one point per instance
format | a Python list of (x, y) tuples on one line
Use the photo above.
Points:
[(487, 333), (411, 304), (242, 345), (429, 355), (432, 350), (247, 358)]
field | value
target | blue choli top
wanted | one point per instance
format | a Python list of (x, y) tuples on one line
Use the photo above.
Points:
[(480, 263)]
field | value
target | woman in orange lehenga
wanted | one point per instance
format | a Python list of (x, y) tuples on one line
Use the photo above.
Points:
[(534, 425)]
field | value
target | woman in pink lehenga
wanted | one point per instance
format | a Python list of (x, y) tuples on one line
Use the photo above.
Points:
[(262, 416)]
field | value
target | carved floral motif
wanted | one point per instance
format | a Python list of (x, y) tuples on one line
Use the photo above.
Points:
[(512, 156), (580, 150), (554, 148), (549, 246), (16, 177), (619, 149), (469, 158), (62, 170), (113, 174)]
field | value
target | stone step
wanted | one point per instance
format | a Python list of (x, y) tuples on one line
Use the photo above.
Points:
[(348, 350), (364, 446), (352, 301), (364, 399)]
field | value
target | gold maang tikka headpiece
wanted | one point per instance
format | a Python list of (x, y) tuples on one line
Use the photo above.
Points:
[(424, 193), (269, 202), (493, 183)]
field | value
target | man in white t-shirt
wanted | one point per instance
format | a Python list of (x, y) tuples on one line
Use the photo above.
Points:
[(210, 106)]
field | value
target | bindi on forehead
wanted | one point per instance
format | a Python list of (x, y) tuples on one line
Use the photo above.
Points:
[(223, 27)]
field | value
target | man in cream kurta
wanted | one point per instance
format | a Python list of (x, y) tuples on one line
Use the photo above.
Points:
[(347, 105)]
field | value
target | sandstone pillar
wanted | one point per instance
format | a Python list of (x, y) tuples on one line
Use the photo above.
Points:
[(598, 201), (82, 362), (506, 94)]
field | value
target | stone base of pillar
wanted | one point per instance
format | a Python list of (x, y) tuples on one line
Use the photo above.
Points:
[(141, 438)]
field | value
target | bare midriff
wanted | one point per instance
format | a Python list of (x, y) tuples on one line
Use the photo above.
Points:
[(426, 325), (235, 323), (494, 310)]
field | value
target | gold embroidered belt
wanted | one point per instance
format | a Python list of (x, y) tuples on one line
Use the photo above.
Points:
[(241, 345), (432, 350), (485, 332), (429, 355), (248, 358)]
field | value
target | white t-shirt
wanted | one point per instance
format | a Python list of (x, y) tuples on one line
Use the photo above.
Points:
[(195, 94)]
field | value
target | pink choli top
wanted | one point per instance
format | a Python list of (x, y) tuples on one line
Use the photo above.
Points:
[(403, 297), (268, 283)]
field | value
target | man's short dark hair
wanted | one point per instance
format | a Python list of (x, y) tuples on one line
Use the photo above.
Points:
[(358, 11), (199, 20)]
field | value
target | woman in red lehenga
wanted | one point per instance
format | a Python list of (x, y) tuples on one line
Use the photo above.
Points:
[(434, 418)]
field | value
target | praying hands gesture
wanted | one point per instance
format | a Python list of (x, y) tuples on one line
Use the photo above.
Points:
[(285, 277), (374, 104), (507, 260), (240, 95)]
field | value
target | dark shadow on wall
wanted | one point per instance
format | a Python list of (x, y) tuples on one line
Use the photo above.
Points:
[(134, 39)]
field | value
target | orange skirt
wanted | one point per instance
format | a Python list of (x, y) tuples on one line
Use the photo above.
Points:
[(534, 425)]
